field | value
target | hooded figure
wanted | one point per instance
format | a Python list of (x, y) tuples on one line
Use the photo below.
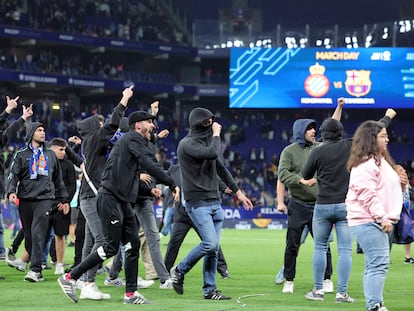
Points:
[(300, 127), (198, 156), (30, 129), (95, 138), (331, 130), (196, 118)]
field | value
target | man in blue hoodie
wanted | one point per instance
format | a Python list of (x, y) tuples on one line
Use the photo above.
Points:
[(201, 167)]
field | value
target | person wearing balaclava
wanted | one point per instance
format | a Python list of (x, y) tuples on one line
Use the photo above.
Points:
[(201, 169), (329, 162), (36, 179), (303, 195)]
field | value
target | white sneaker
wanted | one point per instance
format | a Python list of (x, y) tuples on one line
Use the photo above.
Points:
[(91, 291), (144, 283), (33, 277), (80, 284), (59, 268), (18, 264), (288, 287), (167, 284), (328, 286)]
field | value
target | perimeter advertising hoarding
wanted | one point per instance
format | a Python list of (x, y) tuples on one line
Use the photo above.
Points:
[(316, 77)]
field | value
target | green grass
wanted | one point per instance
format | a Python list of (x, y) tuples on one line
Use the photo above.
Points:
[(254, 257)]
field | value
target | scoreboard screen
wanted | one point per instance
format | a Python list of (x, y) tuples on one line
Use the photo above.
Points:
[(316, 77)]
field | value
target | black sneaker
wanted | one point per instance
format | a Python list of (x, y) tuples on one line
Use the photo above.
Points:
[(408, 260), (225, 274), (216, 295), (177, 280)]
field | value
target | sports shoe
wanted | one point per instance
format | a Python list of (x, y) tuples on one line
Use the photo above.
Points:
[(18, 264), (344, 298), (216, 295), (315, 294), (137, 299), (80, 284), (59, 268), (280, 277), (408, 260), (378, 307), (225, 274), (91, 291), (68, 287), (33, 277), (167, 284), (328, 286), (10, 255), (144, 283), (288, 287), (117, 282), (177, 280), (2, 256)]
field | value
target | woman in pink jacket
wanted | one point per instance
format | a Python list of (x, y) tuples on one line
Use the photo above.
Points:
[(373, 201)]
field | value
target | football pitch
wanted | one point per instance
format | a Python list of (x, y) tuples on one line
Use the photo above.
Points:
[(254, 257)]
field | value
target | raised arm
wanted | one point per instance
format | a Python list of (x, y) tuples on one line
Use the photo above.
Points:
[(338, 110)]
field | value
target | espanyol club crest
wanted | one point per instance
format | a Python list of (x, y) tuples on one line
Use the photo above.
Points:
[(358, 82), (317, 84)]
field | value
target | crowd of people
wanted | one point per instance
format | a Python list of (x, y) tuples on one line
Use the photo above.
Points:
[(125, 19), (325, 190)]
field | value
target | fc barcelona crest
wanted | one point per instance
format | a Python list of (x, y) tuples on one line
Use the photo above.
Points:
[(358, 82)]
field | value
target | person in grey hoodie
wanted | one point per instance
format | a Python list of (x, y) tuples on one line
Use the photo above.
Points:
[(36, 179), (95, 135), (201, 169)]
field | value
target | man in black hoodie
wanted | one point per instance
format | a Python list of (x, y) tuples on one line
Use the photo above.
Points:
[(118, 192), (36, 179), (95, 135), (201, 170), (329, 161)]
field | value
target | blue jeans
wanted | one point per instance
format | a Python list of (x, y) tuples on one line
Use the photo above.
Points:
[(208, 220), (324, 217), (376, 248), (46, 248), (168, 221), (93, 233)]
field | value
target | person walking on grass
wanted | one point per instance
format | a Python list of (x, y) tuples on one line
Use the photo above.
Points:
[(373, 202), (117, 194), (201, 168)]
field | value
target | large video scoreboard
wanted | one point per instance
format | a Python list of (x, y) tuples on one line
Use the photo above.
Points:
[(316, 77)]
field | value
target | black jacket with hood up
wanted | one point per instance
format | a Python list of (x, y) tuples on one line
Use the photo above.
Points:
[(95, 141), (329, 160), (199, 159)]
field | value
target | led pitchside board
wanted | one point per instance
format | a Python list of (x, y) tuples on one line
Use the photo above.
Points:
[(315, 78)]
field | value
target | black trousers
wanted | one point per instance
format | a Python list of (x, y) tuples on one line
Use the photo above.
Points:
[(298, 217), (35, 223), (119, 224)]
